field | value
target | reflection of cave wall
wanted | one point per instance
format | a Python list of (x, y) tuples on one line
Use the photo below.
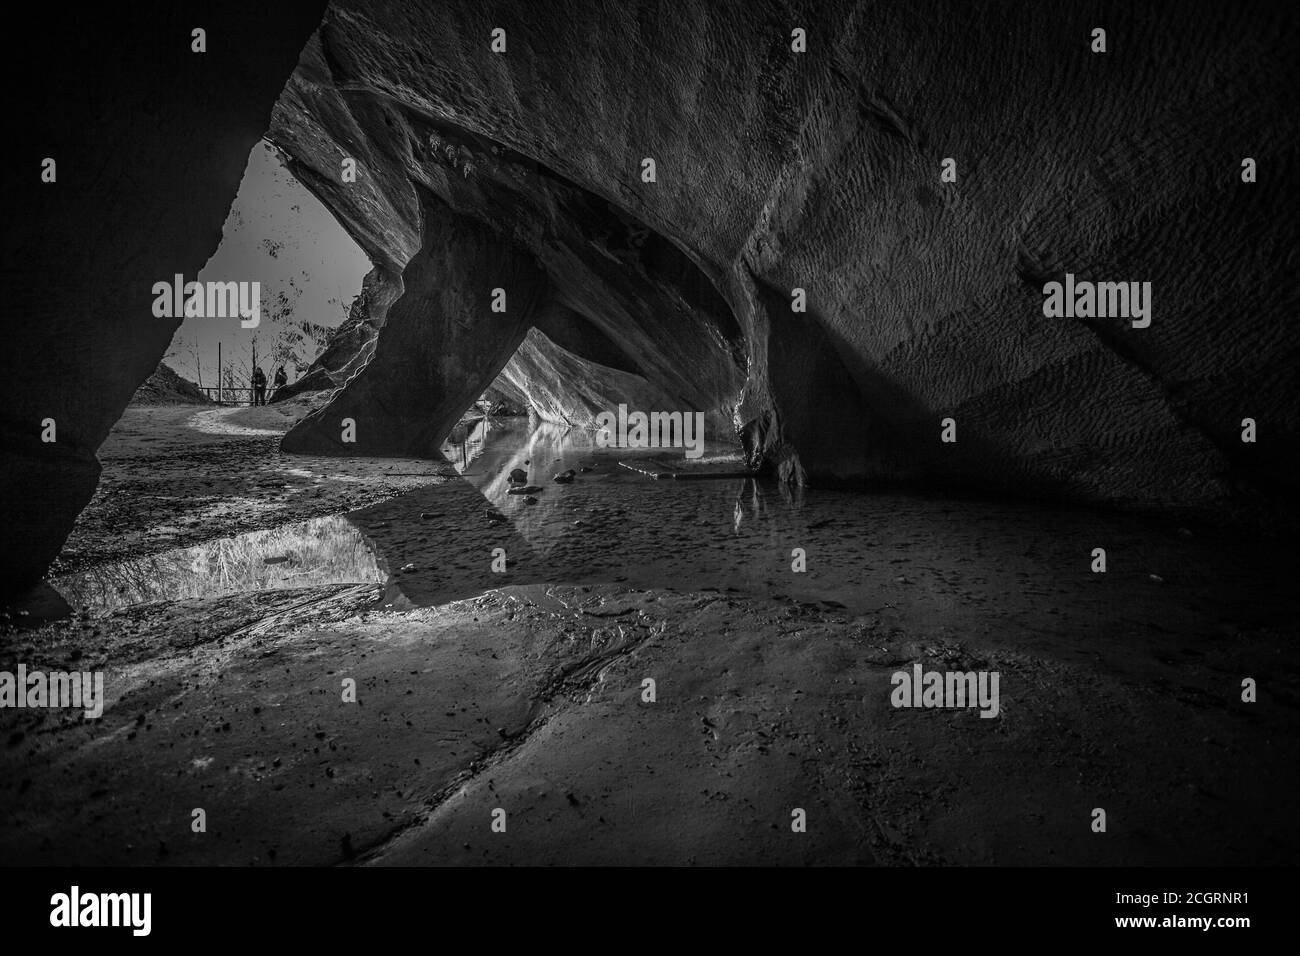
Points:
[(150, 141)]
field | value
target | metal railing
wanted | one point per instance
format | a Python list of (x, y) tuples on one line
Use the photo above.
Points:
[(235, 394)]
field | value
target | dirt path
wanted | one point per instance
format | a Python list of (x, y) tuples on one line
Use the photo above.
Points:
[(219, 421)]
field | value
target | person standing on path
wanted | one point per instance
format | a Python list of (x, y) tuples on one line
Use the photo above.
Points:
[(259, 386), (280, 381)]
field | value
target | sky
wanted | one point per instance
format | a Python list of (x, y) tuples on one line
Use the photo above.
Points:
[(280, 235)]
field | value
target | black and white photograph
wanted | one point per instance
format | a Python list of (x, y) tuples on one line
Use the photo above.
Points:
[(708, 435)]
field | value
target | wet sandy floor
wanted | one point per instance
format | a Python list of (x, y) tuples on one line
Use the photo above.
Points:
[(482, 689), (174, 476)]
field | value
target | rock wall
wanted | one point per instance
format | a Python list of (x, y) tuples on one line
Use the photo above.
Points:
[(562, 388), (775, 170), (616, 295), (149, 141), (437, 345), (352, 344), (165, 387), (821, 170)]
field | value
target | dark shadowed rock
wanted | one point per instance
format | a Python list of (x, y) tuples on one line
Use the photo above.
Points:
[(165, 387), (779, 171), (316, 380), (150, 141), (776, 172)]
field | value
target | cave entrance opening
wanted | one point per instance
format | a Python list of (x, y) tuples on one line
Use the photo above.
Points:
[(307, 270), (180, 470)]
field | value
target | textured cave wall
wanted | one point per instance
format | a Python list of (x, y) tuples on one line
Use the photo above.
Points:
[(437, 345), (150, 141), (562, 388), (354, 341), (775, 170), (821, 171), (352, 344), (617, 295)]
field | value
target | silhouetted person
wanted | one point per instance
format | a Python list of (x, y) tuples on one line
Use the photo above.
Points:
[(259, 386), (280, 381)]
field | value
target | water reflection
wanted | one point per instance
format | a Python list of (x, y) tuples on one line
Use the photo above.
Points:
[(496, 447), (466, 442), (868, 553), (321, 551)]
